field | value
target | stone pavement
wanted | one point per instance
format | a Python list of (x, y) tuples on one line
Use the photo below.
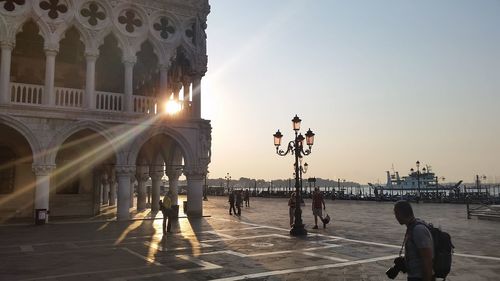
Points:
[(359, 244)]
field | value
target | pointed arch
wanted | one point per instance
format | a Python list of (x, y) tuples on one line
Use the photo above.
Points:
[(180, 140), (70, 69), (26, 132), (44, 29), (58, 140), (85, 36)]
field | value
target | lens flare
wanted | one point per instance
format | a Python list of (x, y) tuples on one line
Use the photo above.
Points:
[(172, 107)]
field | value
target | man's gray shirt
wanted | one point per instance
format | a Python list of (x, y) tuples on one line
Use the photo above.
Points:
[(418, 237)]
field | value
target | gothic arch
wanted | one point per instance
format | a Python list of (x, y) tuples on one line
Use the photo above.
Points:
[(26, 133), (111, 30), (43, 28), (157, 49), (85, 35), (73, 128), (179, 139)]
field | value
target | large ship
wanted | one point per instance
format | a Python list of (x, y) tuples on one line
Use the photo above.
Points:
[(416, 182)]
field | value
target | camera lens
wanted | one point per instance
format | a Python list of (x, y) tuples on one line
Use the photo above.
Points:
[(392, 272)]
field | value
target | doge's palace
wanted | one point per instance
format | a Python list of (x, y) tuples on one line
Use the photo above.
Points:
[(97, 97)]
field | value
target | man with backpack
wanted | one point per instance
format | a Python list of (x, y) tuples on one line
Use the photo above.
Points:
[(418, 244)]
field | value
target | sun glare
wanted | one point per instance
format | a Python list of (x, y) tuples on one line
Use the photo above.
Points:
[(172, 107)]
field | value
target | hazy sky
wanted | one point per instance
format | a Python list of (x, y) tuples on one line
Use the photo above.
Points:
[(381, 83)]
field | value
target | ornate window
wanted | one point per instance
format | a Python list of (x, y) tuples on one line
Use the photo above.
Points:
[(54, 8), (10, 5), (130, 20), (93, 13), (191, 32), (165, 27)]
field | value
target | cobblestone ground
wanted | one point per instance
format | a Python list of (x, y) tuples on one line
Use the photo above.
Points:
[(359, 244)]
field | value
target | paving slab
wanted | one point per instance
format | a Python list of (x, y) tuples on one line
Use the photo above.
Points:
[(359, 244)]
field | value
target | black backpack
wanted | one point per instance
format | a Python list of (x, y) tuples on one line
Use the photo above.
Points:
[(443, 250)]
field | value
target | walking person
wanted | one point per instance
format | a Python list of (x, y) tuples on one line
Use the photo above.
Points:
[(166, 209), (239, 202), (291, 208), (231, 203), (418, 243), (318, 202), (247, 198)]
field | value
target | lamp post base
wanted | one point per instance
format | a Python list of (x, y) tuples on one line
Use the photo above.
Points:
[(298, 230)]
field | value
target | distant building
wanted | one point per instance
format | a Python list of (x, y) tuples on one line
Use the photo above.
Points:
[(84, 87)]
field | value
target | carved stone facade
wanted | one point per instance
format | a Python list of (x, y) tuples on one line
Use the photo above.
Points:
[(75, 120)]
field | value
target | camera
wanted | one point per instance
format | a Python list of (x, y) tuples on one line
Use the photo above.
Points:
[(399, 265)]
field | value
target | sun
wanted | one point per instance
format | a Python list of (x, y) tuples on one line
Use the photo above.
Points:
[(172, 106)]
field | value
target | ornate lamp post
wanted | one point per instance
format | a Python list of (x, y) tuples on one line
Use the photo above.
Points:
[(228, 178), (296, 147), (418, 180)]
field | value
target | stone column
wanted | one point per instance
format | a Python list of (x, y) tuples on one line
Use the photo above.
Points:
[(89, 101), (132, 181), (195, 180), (196, 97), (112, 187), (124, 173), (173, 182), (155, 193), (5, 72), (42, 185), (50, 66), (141, 190), (129, 85), (105, 188)]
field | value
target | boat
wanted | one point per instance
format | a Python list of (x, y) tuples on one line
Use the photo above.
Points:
[(416, 182)]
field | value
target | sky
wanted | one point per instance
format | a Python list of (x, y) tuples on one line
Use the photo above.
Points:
[(381, 83)]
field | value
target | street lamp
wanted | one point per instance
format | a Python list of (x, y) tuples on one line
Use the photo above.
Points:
[(228, 178), (418, 180), (296, 148)]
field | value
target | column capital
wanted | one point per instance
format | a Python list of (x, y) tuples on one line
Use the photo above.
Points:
[(42, 169), (141, 177), (51, 52), (173, 173), (91, 56), (156, 175), (195, 172), (124, 170), (164, 66), (129, 60), (7, 45)]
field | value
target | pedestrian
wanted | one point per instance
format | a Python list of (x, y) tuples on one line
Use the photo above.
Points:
[(318, 201), (239, 202), (231, 203), (166, 209), (291, 208), (418, 243), (247, 198)]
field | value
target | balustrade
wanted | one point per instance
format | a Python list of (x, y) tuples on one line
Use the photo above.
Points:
[(31, 94), (109, 101), (26, 93), (68, 97), (146, 105)]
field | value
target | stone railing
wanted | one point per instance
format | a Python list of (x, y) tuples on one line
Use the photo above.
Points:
[(68, 97), (108, 101), (145, 105), (31, 94), (26, 93)]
